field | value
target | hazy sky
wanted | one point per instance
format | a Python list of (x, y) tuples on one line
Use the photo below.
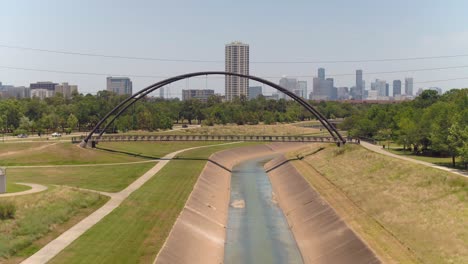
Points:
[(275, 30)]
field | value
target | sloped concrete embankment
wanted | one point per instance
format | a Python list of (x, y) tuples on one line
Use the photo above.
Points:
[(199, 233), (322, 237)]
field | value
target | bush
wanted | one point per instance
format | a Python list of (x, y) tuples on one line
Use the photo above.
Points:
[(7, 210)]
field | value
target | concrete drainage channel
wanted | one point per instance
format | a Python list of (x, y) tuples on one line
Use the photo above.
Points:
[(254, 229), (257, 231)]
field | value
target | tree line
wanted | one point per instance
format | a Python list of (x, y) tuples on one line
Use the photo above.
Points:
[(430, 123)]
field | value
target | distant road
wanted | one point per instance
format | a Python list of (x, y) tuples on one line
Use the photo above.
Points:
[(380, 150)]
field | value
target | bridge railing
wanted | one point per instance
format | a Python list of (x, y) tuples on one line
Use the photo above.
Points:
[(265, 138)]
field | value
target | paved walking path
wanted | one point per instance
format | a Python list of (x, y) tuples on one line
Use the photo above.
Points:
[(380, 150), (65, 239), (35, 188)]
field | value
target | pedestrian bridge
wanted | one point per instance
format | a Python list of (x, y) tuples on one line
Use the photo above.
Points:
[(120, 138)]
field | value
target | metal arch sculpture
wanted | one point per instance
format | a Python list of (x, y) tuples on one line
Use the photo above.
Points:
[(124, 105)]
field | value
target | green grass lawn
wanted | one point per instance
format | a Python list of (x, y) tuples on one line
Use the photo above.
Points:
[(59, 154), (137, 229), (152, 149), (7, 147), (424, 208), (13, 187), (101, 178), (40, 218), (441, 161)]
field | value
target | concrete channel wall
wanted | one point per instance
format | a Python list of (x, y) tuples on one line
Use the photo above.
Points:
[(321, 235), (199, 234)]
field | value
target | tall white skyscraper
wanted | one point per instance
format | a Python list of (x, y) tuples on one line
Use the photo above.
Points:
[(237, 61), (409, 86)]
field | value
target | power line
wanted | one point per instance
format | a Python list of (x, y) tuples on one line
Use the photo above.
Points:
[(222, 61), (271, 77)]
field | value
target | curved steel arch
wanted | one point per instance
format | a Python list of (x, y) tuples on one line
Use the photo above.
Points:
[(124, 105)]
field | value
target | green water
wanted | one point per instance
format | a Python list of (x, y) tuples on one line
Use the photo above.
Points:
[(257, 233)]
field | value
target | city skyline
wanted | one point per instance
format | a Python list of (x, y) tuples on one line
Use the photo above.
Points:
[(343, 35)]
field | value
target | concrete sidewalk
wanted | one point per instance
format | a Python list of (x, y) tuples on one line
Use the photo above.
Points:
[(380, 150), (35, 188)]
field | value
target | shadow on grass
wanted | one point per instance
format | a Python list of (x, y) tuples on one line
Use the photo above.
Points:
[(176, 158)]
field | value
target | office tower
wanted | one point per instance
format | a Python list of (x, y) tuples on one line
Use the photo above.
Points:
[(409, 86), (301, 89), (10, 91), (119, 85), (43, 85), (323, 89), (42, 89), (359, 85), (65, 89), (199, 94), (342, 93), (236, 61), (288, 83), (396, 88), (387, 89), (380, 86), (321, 73), (254, 92), (161, 92)]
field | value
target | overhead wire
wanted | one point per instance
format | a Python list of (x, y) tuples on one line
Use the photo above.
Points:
[(88, 54)]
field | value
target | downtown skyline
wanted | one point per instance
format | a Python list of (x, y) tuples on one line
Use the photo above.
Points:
[(200, 33)]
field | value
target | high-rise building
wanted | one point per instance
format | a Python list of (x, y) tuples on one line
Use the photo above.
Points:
[(65, 89), (301, 89), (359, 85), (321, 73), (200, 94), (409, 86), (254, 92), (396, 88), (42, 89), (342, 93), (161, 92), (43, 85), (10, 91), (323, 89), (236, 61), (387, 89), (290, 84), (380, 86), (119, 85), (41, 93)]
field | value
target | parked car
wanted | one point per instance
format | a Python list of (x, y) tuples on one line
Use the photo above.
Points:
[(56, 134), (184, 126), (22, 136)]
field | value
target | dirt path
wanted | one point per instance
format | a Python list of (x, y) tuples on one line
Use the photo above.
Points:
[(379, 149), (35, 188), (65, 239)]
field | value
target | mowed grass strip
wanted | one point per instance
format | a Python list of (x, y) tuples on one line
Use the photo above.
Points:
[(152, 149), (61, 153), (108, 178), (41, 217), (13, 187), (10, 147), (441, 161), (137, 229), (424, 208)]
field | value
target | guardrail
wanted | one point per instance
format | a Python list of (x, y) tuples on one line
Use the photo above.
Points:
[(121, 138)]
